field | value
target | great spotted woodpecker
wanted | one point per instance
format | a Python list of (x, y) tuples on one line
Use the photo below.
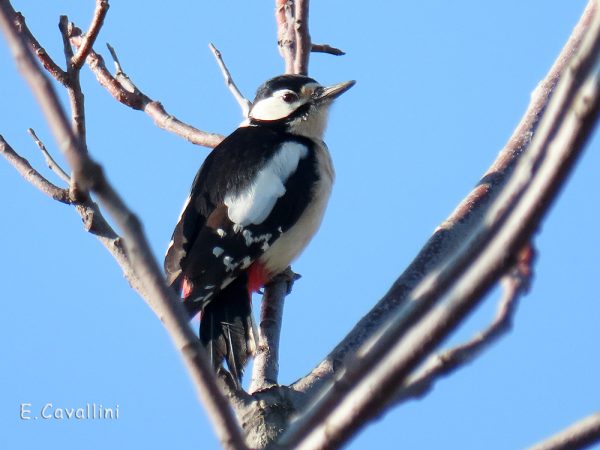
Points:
[(254, 205)]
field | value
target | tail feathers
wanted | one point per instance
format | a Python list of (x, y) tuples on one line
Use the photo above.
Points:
[(226, 328)]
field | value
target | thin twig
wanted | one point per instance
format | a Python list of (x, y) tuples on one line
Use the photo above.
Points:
[(121, 76), (459, 286), (140, 101), (54, 69), (581, 434), (31, 175), (165, 303), (90, 37), (244, 103), (515, 283), (50, 162), (115, 58), (325, 48), (92, 218)]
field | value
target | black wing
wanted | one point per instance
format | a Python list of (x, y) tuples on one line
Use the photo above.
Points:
[(208, 248)]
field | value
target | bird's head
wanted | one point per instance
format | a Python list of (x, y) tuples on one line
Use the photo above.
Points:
[(296, 102)]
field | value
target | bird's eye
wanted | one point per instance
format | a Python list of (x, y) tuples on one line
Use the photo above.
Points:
[(289, 97)]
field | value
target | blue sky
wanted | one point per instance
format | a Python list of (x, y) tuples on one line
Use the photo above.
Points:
[(440, 87)]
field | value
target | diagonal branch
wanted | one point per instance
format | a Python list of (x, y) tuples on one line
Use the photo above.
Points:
[(50, 162), (461, 224), (44, 58), (579, 435), (139, 101), (383, 364), (90, 37), (244, 103), (163, 300), (31, 175), (515, 284)]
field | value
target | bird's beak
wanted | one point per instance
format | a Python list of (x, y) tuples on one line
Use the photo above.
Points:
[(331, 92)]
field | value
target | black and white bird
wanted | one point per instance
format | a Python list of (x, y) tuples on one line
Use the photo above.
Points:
[(254, 205)]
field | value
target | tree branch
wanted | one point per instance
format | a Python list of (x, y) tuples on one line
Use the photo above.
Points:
[(73, 86), (384, 363), (293, 38), (325, 48), (31, 175), (139, 101), (163, 300), (457, 228), (285, 33), (515, 283), (580, 435), (266, 362), (90, 37), (48, 63), (50, 162), (302, 36), (244, 103)]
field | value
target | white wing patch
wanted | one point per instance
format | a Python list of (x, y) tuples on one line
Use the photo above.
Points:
[(254, 205)]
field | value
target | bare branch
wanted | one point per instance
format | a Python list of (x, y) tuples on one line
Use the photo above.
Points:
[(73, 85), (89, 211), (48, 63), (163, 300), (325, 48), (515, 283), (50, 162), (31, 175), (140, 101), (266, 362), (285, 33), (76, 101), (63, 26), (90, 37), (40, 84), (293, 37), (384, 363), (244, 103), (121, 76), (581, 434), (302, 36), (457, 228)]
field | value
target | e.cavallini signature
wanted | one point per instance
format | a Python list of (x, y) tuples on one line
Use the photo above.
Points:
[(49, 411)]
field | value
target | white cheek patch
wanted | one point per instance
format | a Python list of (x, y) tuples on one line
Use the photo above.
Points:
[(274, 107), (254, 204)]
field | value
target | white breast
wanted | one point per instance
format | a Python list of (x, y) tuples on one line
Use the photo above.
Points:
[(291, 243)]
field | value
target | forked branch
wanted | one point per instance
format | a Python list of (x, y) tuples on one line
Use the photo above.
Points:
[(136, 99), (459, 226), (386, 361), (515, 283), (91, 177)]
